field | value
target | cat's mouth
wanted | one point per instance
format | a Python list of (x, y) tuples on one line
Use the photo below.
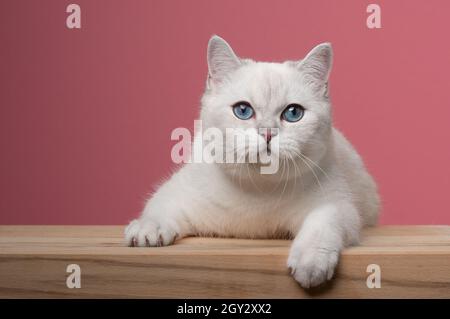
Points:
[(269, 151)]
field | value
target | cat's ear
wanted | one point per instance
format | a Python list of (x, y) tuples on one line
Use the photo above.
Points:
[(316, 66), (221, 60)]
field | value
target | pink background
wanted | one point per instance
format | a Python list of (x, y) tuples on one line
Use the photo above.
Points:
[(86, 114)]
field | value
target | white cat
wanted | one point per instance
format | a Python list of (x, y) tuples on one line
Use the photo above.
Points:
[(322, 194)]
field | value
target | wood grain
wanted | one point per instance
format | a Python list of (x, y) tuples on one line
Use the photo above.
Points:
[(414, 261)]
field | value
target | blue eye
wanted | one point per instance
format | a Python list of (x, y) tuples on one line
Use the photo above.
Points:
[(293, 113), (243, 110)]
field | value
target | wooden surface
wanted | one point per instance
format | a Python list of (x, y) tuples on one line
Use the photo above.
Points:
[(414, 261)]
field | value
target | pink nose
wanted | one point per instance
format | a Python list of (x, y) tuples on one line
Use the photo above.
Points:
[(267, 136)]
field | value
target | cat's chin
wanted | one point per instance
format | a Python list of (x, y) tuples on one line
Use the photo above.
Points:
[(252, 173)]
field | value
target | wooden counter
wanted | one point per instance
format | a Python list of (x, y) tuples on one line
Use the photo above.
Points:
[(414, 262)]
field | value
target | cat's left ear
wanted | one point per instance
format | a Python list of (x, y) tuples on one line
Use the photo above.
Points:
[(316, 66), (221, 60)]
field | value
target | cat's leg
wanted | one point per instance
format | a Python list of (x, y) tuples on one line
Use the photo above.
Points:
[(162, 222), (315, 250)]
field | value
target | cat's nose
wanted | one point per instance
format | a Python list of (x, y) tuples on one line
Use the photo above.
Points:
[(268, 135)]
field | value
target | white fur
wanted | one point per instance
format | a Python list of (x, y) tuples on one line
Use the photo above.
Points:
[(321, 201)]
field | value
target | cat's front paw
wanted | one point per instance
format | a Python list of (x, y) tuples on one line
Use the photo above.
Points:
[(145, 232), (313, 266)]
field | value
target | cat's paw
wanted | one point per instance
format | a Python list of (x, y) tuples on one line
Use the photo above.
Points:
[(146, 232), (312, 266)]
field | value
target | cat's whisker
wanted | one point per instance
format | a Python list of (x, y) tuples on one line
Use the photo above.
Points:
[(278, 182), (240, 169), (295, 174), (236, 150), (315, 176), (285, 181), (315, 164), (251, 179)]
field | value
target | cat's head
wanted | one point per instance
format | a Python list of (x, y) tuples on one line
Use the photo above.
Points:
[(291, 97)]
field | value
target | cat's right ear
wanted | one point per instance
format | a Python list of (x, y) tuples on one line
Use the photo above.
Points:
[(221, 60), (316, 66)]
